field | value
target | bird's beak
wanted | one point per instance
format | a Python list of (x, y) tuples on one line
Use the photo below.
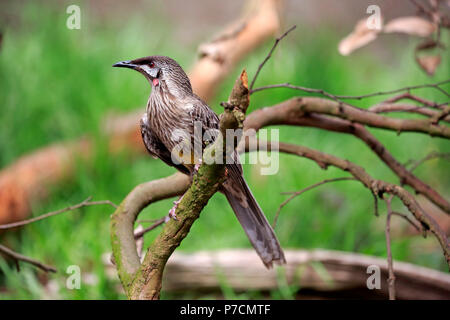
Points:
[(125, 64)]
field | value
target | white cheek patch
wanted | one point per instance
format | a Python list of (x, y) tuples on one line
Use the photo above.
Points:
[(149, 71)]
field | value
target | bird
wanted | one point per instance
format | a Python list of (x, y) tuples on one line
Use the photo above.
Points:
[(173, 110)]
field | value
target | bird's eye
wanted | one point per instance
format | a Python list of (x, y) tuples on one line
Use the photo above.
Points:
[(152, 64)]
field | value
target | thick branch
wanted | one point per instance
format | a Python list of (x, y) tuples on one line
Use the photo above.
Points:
[(416, 226), (269, 55), (122, 221), (362, 116), (140, 233), (300, 106), (289, 113)]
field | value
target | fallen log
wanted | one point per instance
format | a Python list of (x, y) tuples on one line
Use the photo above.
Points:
[(322, 271)]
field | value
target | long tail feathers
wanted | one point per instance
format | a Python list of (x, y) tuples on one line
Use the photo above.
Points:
[(252, 219)]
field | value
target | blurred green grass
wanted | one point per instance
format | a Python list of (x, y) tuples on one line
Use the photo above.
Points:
[(58, 84)]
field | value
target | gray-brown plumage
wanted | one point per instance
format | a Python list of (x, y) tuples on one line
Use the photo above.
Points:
[(172, 112)]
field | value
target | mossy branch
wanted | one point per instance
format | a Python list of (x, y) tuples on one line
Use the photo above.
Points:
[(122, 221)]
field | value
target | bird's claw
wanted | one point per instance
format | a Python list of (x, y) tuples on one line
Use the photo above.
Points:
[(171, 214), (196, 167), (172, 211)]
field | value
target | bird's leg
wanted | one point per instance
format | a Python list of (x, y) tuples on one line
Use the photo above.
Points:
[(174, 208)]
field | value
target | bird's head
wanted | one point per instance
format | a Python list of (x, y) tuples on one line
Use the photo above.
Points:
[(163, 73)]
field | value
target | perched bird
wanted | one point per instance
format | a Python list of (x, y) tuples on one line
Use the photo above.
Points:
[(173, 111)]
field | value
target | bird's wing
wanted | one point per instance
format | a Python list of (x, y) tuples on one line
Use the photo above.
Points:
[(155, 147), (210, 121)]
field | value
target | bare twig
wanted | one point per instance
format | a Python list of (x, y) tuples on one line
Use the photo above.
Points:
[(100, 202), (441, 116), (156, 224), (418, 227), (19, 257), (430, 156), (84, 203), (378, 187), (146, 221), (304, 89), (230, 34), (423, 110), (409, 96), (422, 9), (391, 279), (297, 193), (277, 41), (360, 97)]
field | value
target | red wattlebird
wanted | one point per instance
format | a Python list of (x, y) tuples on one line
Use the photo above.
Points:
[(173, 111)]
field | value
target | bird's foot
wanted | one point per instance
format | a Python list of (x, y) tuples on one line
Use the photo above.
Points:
[(173, 210), (197, 166), (172, 213)]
